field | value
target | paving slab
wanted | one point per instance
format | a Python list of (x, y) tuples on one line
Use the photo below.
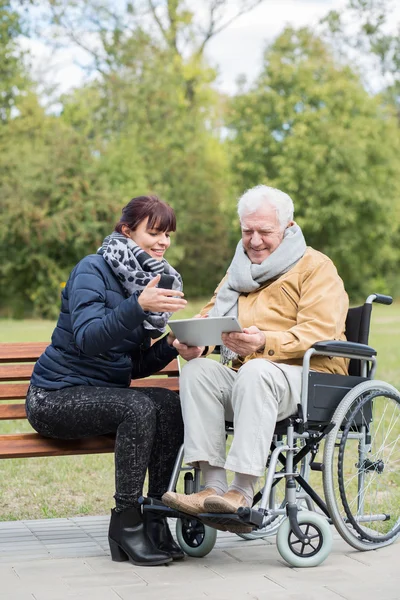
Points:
[(69, 559)]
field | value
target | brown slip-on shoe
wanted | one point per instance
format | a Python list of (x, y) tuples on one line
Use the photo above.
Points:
[(192, 504), (228, 503)]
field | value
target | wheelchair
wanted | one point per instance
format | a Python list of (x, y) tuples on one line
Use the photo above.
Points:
[(357, 421)]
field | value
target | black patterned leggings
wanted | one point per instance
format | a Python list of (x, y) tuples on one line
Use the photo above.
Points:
[(147, 423)]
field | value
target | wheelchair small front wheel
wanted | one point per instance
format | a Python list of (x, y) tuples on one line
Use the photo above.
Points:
[(305, 554), (195, 538)]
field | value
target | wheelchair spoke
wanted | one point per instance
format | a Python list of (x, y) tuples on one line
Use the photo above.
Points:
[(366, 452), (302, 548)]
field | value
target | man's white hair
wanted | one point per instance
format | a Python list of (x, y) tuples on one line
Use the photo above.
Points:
[(261, 195)]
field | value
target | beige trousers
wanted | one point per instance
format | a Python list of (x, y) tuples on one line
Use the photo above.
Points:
[(254, 398)]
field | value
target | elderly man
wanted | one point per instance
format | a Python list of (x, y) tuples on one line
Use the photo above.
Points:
[(286, 296)]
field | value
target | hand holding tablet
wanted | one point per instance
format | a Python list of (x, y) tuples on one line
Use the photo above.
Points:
[(203, 332)]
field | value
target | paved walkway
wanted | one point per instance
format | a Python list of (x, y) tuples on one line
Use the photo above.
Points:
[(67, 559)]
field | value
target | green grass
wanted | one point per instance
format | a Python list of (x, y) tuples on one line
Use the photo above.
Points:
[(80, 485), (36, 330), (385, 338), (27, 330)]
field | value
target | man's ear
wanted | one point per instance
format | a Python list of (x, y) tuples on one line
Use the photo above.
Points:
[(290, 224)]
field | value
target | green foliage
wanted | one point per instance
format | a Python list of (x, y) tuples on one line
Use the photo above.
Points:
[(367, 31), (309, 127), (145, 125), (151, 121), (55, 207), (12, 76)]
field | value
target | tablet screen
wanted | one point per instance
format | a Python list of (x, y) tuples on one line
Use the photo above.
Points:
[(203, 332)]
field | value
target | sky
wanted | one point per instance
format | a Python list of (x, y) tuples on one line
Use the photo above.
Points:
[(236, 50)]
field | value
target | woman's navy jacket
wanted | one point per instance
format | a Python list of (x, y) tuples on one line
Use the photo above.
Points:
[(99, 339)]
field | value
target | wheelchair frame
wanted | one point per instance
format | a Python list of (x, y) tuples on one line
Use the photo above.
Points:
[(304, 538)]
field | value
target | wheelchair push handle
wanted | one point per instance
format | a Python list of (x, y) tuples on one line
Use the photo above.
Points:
[(379, 299)]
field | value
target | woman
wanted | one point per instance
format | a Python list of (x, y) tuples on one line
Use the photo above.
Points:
[(111, 309)]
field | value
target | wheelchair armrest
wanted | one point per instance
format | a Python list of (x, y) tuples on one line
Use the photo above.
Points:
[(349, 348)]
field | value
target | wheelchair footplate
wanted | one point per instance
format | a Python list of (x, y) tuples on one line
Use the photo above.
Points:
[(245, 520), (156, 506)]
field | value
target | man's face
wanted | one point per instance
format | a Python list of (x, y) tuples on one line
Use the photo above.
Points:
[(261, 233)]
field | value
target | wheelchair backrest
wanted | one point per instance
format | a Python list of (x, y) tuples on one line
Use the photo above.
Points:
[(326, 390), (357, 330)]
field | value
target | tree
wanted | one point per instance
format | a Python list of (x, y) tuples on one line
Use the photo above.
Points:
[(103, 28), (181, 26), (13, 79), (131, 131), (159, 140), (55, 208), (366, 32), (158, 120), (309, 128), (148, 122)]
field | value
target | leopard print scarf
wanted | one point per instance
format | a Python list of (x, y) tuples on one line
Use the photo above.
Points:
[(134, 268)]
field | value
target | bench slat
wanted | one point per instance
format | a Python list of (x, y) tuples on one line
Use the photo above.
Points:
[(23, 372), (17, 391), (26, 351), (16, 372), (12, 411), (30, 352), (25, 445), (32, 444), (13, 391)]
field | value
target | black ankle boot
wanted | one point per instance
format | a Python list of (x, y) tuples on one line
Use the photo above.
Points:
[(159, 533), (129, 541)]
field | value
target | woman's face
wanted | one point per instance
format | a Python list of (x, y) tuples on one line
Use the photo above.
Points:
[(152, 241)]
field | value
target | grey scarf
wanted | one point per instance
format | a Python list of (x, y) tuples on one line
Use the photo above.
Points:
[(135, 268), (245, 277)]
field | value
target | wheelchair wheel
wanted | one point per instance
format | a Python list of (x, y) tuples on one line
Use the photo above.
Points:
[(195, 538), (362, 466), (305, 554)]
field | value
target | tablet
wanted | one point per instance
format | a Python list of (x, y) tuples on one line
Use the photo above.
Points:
[(203, 332)]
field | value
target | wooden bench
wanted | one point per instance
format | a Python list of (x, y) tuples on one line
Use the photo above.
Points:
[(16, 365)]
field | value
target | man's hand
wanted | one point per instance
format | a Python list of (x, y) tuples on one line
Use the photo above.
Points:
[(251, 340), (188, 352)]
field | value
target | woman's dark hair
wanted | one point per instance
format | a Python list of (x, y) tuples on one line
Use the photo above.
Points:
[(161, 216)]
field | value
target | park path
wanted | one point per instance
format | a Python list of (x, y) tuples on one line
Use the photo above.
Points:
[(68, 559)]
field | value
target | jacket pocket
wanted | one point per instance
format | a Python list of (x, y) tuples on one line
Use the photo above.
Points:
[(289, 297)]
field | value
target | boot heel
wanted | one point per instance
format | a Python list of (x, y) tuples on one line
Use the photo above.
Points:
[(117, 554)]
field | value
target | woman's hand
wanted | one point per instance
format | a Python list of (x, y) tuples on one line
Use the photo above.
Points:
[(188, 352), (251, 340), (170, 339), (154, 299)]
